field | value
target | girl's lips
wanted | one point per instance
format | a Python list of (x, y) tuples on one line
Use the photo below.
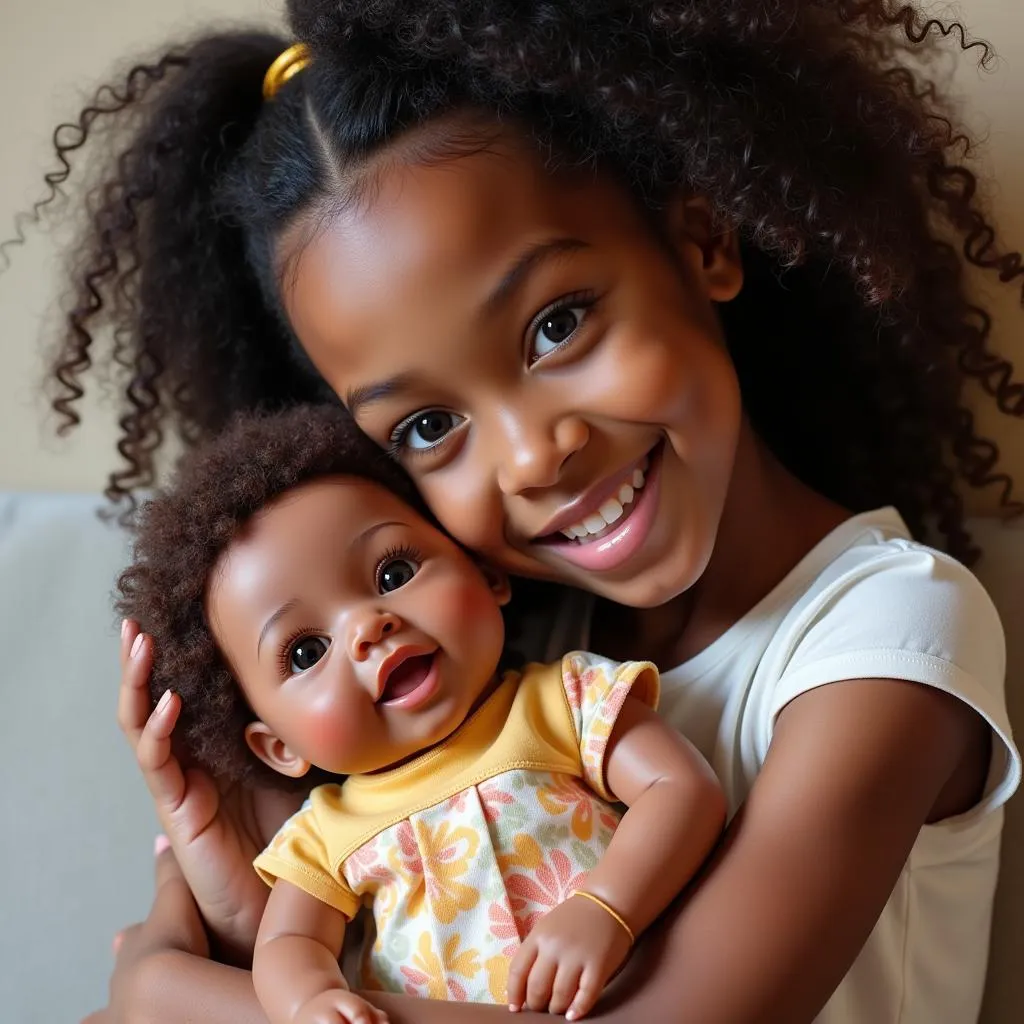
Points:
[(591, 500), (612, 549)]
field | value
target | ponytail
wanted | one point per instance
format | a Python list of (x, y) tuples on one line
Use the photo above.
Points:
[(164, 266)]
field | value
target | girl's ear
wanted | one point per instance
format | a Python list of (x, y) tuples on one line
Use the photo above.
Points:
[(711, 251), (272, 751), (497, 580)]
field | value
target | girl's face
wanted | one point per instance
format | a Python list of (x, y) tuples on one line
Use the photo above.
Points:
[(355, 647), (551, 374)]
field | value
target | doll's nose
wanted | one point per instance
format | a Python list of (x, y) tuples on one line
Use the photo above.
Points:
[(369, 629)]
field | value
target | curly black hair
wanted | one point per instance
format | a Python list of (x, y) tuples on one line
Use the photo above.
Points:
[(834, 156), (182, 533)]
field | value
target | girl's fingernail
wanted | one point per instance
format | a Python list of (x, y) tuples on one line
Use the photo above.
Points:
[(160, 844), (137, 645), (116, 944), (124, 627), (163, 701)]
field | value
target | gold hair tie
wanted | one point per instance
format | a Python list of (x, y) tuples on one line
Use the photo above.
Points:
[(289, 64)]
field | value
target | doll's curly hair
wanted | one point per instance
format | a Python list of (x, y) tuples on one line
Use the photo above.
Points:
[(182, 532), (836, 158)]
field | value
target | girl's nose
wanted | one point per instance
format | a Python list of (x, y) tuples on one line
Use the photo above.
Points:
[(369, 628), (536, 452)]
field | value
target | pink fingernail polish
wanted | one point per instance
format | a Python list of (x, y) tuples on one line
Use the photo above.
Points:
[(163, 700), (136, 645), (160, 844), (124, 628)]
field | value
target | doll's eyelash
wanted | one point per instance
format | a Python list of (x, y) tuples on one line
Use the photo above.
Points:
[(284, 652), (401, 551)]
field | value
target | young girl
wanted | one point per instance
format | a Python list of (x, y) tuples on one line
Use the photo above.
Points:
[(534, 247), (309, 618)]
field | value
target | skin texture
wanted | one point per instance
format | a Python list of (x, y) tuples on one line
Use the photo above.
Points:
[(310, 616), (855, 768)]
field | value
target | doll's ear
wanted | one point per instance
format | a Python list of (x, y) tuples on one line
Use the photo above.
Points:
[(497, 580), (273, 751), (711, 251)]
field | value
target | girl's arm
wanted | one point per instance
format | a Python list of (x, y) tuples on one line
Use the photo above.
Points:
[(787, 902), (676, 812)]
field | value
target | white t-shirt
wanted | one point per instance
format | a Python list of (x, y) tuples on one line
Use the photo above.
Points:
[(866, 602)]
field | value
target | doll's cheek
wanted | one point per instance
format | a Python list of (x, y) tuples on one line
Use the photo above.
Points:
[(331, 733)]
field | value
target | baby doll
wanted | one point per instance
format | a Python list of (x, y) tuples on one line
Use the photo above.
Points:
[(315, 622)]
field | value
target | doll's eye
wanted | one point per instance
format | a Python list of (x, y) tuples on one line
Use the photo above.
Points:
[(306, 652), (395, 573)]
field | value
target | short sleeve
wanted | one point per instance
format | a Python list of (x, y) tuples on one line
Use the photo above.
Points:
[(299, 855), (596, 689), (915, 614)]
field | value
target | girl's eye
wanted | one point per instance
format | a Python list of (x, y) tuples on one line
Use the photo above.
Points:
[(427, 429), (554, 329), (395, 573), (305, 653)]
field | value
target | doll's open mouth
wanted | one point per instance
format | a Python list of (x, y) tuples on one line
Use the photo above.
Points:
[(409, 681)]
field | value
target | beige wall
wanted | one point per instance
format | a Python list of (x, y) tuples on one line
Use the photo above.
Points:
[(51, 49)]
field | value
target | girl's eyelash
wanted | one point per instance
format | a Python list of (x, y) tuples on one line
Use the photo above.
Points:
[(586, 299), (284, 652), (392, 554), (396, 448)]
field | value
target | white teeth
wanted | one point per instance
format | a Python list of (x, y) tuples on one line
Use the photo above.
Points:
[(610, 511)]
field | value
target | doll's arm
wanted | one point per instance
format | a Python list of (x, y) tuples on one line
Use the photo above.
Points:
[(295, 966), (676, 812)]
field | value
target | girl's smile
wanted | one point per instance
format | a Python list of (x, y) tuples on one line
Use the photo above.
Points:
[(608, 524), (548, 367)]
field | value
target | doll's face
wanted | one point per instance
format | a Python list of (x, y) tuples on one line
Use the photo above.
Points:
[(359, 633), (550, 372)]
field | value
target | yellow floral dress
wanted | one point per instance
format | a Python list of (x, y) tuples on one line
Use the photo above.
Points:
[(460, 851)]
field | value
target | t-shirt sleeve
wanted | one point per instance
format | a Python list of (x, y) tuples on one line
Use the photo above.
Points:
[(596, 689), (298, 854), (912, 614)]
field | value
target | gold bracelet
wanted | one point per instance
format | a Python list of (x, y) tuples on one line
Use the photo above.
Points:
[(604, 906)]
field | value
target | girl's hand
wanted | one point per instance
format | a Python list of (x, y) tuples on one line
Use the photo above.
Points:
[(215, 834), (173, 924)]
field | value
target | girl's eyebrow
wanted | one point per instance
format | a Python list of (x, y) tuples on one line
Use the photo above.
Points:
[(367, 394), (526, 263)]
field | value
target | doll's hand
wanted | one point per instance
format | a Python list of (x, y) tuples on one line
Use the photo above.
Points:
[(339, 1006), (215, 835), (564, 964)]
